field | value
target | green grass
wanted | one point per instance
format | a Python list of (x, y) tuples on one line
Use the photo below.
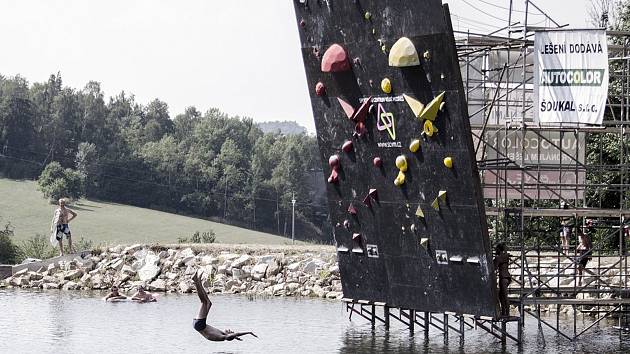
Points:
[(110, 223)]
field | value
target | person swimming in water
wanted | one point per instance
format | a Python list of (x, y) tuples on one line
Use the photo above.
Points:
[(143, 296), (199, 323), (114, 294)]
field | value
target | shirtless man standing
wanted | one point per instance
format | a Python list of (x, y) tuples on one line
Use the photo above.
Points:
[(199, 323), (60, 227), (501, 265)]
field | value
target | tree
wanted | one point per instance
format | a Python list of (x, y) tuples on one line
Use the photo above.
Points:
[(56, 182), (8, 250)]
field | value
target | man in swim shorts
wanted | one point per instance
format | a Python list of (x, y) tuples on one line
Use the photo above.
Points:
[(59, 227), (143, 296), (114, 294), (199, 323)]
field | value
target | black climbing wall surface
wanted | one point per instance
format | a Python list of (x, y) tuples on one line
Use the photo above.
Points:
[(387, 252)]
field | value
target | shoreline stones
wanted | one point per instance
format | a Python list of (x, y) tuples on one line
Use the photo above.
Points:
[(159, 269)]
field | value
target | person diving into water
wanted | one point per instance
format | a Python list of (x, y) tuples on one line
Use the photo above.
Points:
[(199, 323)]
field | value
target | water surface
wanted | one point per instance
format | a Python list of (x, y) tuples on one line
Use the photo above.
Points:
[(80, 322)]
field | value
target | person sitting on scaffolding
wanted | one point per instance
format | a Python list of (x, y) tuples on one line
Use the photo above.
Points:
[(565, 231), (583, 250), (501, 264)]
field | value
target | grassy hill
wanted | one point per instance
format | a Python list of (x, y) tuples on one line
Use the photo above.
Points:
[(110, 223)]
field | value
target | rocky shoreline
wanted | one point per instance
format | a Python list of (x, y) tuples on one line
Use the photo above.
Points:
[(308, 271)]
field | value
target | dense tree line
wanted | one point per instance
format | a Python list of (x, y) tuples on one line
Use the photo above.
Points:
[(205, 164)]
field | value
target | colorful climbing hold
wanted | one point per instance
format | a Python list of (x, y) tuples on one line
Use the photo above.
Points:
[(448, 162), (347, 146), (372, 193), (359, 129), (435, 204), (333, 161), (346, 224), (320, 89), (386, 85), (442, 106), (361, 113), (302, 23), (431, 110), (442, 195), (334, 176), (403, 53), (401, 163), (347, 107), (424, 242), (414, 145), (400, 179), (335, 59), (426, 55), (416, 106), (367, 15), (356, 237), (429, 129), (352, 210), (377, 162), (419, 212)]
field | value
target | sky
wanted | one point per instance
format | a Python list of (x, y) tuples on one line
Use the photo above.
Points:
[(242, 57)]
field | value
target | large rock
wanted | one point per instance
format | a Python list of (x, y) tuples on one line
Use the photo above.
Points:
[(185, 287), (150, 269), (223, 257), (71, 286), (258, 272), (206, 260), (313, 266), (132, 249), (241, 261), (157, 285), (293, 266), (273, 269), (73, 274), (50, 286)]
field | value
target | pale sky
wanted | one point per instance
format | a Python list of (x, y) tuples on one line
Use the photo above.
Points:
[(242, 57)]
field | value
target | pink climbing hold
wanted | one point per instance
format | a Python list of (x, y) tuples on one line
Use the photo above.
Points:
[(367, 201), (347, 146), (377, 162), (302, 23), (359, 129), (333, 161), (356, 237), (361, 113), (373, 193), (352, 210), (347, 107), (335, 59), (320, 89)]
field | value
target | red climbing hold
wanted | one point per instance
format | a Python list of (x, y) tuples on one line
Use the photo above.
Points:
[(361, 113), (377, 162), (352, 210), (373, 193), (347, 107), (347, 146), (334, 176), (333, 161), (335, 59), (320, 89), (359, 129)]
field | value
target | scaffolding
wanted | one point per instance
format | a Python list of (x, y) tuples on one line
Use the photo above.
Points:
[(539, 181)]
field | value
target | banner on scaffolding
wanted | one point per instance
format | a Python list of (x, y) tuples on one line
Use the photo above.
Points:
[(570, 76), (554, 164)]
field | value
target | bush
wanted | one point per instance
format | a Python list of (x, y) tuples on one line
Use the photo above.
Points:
[(56, 182), (206, 237), (83, 245), (8, 250), (37, 246)]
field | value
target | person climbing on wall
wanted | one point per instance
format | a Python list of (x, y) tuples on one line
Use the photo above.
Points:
[(59, 227), (501, 263), (199, 323), (566, 230)]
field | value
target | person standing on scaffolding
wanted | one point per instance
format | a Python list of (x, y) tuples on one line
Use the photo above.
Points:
[(565, 231), (501, 264), (584, 250)]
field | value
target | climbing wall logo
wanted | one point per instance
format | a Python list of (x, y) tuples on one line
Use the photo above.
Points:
[(385, 121)]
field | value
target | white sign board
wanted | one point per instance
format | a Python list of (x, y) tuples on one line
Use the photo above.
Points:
[(570, 76)]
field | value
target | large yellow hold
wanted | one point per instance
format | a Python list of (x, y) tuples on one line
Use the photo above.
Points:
[(431, 110), (414, 145), (400, 179), (401, 163), (386, 85), (403, 53)]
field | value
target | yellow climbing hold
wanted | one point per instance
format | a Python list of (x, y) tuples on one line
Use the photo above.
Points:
[(403, 53), (415, 145), (429, 128), (435, 204), (448, 162), (416, 106), (401, 163), (419, 212), (400, 179), (431, 110), (442, 195), (386, 85)]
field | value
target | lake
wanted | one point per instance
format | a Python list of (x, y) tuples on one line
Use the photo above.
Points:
[(80, 322)]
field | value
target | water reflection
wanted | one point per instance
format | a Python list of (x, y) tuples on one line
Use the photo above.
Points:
[(79, 322)]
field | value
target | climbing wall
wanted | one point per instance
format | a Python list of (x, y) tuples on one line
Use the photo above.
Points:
[(403, 189)]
